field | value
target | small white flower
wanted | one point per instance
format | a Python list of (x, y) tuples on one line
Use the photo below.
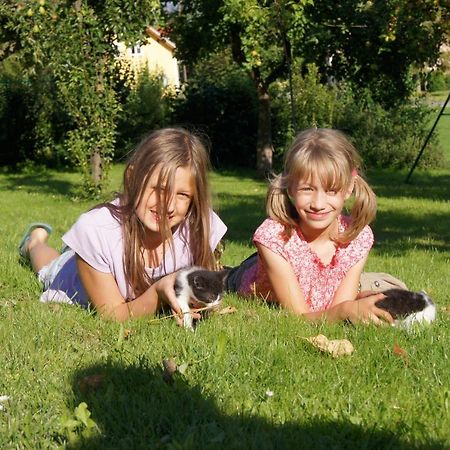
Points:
[(269, 393)]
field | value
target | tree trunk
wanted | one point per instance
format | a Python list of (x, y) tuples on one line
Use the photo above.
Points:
[(264, 148), (96, 167)]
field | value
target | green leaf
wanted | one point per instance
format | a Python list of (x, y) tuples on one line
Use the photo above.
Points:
[(83, 414), (182, 368), (69, 423)]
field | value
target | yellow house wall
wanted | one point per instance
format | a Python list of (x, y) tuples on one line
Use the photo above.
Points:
[(158, 58)]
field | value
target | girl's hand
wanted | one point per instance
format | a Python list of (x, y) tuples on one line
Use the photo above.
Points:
[(165, 288), (364, 310)]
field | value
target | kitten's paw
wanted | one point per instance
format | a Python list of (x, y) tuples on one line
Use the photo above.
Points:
[(188, 322)]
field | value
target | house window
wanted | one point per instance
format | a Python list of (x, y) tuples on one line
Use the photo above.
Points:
[(136, 50)]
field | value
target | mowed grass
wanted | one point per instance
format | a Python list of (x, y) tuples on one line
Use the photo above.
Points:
[(443, 130), (248, 379)]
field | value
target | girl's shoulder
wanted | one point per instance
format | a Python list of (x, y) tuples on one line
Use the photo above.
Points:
[(216, 222), (361, 243), (271, 225), (96, 225), (94, 230), (99, 217), (272, 231)]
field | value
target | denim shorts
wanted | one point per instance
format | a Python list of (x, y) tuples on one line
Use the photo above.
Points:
[(48, 273), (61, 282)]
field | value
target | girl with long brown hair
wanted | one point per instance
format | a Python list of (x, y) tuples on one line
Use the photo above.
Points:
[(121, 256)]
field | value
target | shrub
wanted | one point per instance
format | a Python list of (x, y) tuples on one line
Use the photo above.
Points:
[(15, 122), (390, 138), (315, 105), (385, 137), (33, 121), (437, 81), (220, 100), (145, 108)]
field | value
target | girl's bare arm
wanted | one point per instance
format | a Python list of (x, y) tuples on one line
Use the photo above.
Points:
[(349, 287), (287, 292), (105, 296), (285, 286)]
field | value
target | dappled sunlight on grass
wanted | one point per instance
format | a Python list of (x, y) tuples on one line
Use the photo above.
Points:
[(45, 183), (426, 185), (414, 215), (250, 379), (411, 226)]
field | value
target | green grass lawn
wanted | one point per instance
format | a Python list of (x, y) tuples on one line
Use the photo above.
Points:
[(437, 96), (250, 379), (442, 130)]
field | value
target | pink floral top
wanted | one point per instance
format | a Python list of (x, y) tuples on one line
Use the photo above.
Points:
[(318, 281)]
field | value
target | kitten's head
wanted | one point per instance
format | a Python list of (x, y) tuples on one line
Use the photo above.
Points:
[(207, 286)]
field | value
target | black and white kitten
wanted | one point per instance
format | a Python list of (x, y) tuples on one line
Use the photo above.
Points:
[(408, 307), (203, 287)]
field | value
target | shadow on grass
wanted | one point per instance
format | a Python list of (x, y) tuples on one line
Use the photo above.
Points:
[(43, 183), (135, 409), (400, 232), (242, 214), (422, 185)]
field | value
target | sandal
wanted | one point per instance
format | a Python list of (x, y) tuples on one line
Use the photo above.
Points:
[(23, 251)]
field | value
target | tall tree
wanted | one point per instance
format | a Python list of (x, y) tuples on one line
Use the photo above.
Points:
[(72, 43), (375, 43), (259, 34)]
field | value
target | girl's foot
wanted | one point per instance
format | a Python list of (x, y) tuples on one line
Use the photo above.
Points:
[(37, 233)]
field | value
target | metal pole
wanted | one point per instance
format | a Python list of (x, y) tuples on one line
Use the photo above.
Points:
[(427, 139)]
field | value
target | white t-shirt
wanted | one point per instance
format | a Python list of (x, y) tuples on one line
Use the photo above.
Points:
[(97, 238)]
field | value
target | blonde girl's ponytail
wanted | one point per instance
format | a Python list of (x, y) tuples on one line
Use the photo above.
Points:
[(278, 205), (363, 210)]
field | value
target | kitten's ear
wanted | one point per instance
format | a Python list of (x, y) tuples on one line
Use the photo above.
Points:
[(224, 273), (199, 282)]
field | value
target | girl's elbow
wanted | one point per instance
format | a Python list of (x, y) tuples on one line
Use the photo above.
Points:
[(114, 314), (295, 308)]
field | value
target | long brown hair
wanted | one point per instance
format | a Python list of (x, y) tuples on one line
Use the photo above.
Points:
[(165, 150), (329, 155)]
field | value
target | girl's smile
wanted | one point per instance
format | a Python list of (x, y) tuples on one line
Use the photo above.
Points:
[(148, 209), (318, 206), (313, 215), (157, 216)]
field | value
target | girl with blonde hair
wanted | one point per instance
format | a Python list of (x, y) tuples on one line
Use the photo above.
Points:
[(121, 256), (310, 255)]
